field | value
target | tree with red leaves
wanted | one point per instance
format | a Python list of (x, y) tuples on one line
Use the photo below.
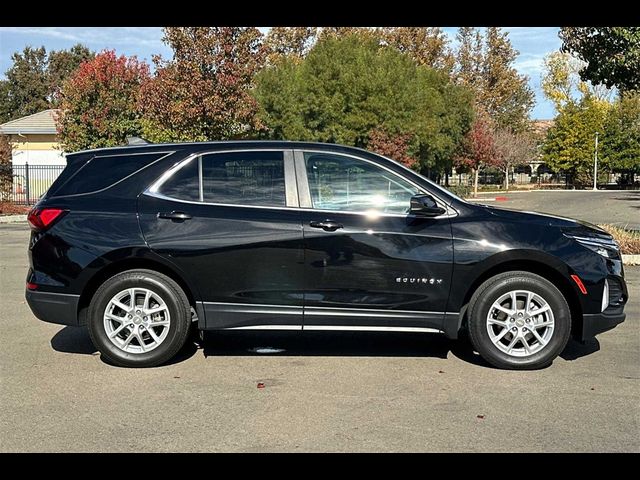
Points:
[(395, 147), (478, 148), (203, 93), (98, 104)]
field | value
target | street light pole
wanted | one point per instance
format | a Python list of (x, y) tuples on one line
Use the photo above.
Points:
[(595, 166)]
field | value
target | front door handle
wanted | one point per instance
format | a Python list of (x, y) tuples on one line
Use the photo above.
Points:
[(174, 215), (326, 225)]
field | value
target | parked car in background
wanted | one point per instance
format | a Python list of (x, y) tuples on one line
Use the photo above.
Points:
[(138, 243)]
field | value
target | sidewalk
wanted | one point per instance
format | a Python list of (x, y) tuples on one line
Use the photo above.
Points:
[(13, 218)]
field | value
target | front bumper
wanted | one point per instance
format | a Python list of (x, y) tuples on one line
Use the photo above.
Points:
[(57, 308), (595, 323)]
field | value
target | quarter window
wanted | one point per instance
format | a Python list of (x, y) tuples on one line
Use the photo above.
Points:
[(183, 184), (238, 178), (338, 182), (104, 172)]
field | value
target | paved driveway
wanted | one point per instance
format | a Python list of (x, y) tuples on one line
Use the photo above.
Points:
[(615, 207), (323, 392)]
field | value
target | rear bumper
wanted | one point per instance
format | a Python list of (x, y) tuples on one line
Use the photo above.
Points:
[(54, 307), (595, 323)]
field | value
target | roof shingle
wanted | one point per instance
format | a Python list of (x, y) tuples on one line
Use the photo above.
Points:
[(39, 123)]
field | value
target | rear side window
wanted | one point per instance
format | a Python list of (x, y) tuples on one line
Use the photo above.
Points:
[(238, 178), (103, 172), (244, 178)]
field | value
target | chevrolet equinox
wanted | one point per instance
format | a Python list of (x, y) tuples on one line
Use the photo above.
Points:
[(139, 243)]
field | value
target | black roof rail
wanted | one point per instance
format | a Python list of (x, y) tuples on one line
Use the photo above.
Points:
[(137, 141)]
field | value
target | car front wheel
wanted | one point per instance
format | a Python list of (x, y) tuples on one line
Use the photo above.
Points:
[(519, 320)]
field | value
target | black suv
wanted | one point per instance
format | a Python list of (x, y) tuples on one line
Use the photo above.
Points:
[(140, 242)]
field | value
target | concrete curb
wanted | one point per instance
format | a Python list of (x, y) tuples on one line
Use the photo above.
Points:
[(13, 218), (600, 190)]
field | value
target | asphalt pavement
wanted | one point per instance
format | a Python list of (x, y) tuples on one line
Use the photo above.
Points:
[(321, 392)]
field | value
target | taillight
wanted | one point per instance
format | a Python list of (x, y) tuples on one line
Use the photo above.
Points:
[(43, 218)]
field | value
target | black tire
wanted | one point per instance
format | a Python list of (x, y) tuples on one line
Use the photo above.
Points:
[(173, 296), (489, 292)]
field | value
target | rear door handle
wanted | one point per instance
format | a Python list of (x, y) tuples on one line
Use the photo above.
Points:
[(174, 215), (326, 225)]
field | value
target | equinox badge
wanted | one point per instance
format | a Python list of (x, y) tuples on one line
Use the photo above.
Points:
[(424, 280)]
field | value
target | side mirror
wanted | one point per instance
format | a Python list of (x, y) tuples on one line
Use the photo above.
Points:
[(424, 205)]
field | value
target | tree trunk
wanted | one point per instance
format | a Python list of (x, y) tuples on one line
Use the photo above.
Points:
[(476, 172), (506, 179)]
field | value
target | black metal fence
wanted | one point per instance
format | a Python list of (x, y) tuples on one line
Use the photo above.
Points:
[(25, 184)]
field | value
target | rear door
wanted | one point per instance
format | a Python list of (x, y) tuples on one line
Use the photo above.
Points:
[(228, 221), (369, 265)]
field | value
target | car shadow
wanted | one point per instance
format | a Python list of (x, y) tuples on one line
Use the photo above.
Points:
[(73, 340), (76, 340), (336, 344), (321, 344), (575, 350)]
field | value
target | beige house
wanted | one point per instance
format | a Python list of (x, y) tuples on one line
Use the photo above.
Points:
[(34, 139)]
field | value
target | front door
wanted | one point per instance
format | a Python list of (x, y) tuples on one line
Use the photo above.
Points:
[(228, 222), (369, 265)]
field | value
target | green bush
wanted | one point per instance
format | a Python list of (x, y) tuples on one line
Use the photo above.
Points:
[(460, 190)]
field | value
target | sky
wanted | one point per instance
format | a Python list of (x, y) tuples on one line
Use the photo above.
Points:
[(533, 43)]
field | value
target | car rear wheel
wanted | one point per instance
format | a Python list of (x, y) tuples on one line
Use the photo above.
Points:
[(139, 318), (519, 320)]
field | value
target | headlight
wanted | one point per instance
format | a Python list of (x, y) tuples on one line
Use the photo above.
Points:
[(607, 247)]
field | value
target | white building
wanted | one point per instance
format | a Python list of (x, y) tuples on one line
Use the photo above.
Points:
[(34, 139)]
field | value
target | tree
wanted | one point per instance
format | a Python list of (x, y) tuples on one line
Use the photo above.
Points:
[(427, 46), (570, 142), (5, 103), (395, 147), (349, 86), (612, 54), (61, 64), (506, 95), (290, 42), (478, 148), (561, 81), (620, 146), (469, 58), (203, 93), (34, 80), (338, 32), (485, 64), (512, 150), (6, 174), (27, 88), (98, 103)]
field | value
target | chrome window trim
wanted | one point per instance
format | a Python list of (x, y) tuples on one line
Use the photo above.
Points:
[(152, 190), (200, 182)]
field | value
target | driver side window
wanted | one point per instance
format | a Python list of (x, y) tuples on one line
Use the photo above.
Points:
[(338, 182)]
